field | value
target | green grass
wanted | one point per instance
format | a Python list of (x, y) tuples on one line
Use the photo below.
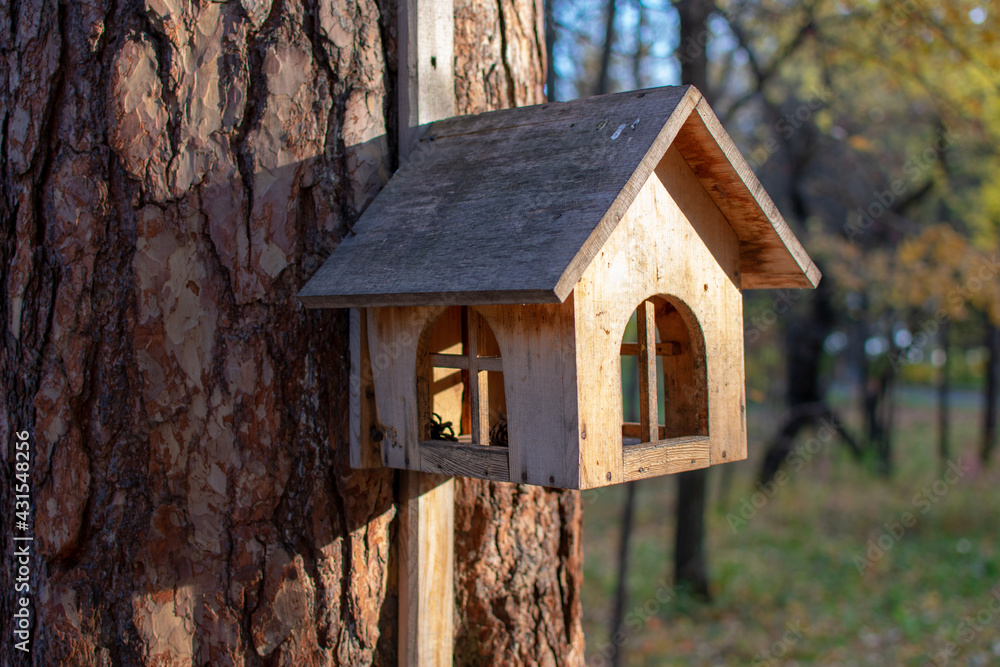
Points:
[(786, 586)]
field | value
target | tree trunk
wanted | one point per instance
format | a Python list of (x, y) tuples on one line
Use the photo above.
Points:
[(690, 560), (604, 74), (944, 395), (990, 393), (617, 627), (550, 43), (171, 174)]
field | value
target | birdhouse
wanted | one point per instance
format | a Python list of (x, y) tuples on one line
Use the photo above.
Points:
[(495, 277)]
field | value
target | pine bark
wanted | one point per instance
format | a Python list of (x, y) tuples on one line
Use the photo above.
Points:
[(172, 171)]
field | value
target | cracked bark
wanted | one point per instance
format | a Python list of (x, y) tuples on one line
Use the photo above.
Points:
[(171, 173)]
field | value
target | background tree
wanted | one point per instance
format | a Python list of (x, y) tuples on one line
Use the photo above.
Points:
[(171, 173)]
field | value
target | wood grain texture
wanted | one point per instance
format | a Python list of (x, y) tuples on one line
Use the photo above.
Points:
[(770, 255), (479, 391), (427, 562), (665, 457), (519, 191), (538, 351), (455, 361), (465, 459), (668, 349), (426, 86), (519, 574), (646, 334), (394, 336), (427, 511), (673, 242)]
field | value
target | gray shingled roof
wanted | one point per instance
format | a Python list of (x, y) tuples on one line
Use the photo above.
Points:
[(509, 206)]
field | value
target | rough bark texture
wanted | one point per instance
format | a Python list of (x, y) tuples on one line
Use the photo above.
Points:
[(172, 171)]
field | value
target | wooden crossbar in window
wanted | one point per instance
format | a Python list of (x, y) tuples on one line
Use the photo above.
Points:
[(667, 349), (477, 367), (461, 361)]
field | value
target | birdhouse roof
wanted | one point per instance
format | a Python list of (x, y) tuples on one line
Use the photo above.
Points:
[(511, 206)]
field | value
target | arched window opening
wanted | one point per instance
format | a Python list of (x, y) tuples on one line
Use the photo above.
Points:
[(664, 389), (460, 384)]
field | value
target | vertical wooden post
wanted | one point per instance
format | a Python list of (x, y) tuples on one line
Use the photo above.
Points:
[(649, 418), (479, 401), (427, 514), (426, 562)]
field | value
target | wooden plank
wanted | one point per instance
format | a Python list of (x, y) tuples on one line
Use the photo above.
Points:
[(770, 255), (426, 44), (462, 362), (365, 451), (479, 390), (426, 561), (537, 343), (665, 457), (393, 338), (465, 460), (646, 334), (668, 349), (425, 50)]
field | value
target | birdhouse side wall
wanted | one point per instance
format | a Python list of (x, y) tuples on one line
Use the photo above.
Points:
[(673, 241), (537, 345), (538, 355), (393, 341)]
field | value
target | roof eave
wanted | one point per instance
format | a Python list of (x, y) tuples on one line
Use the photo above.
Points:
[(770, 255), (479, 298)]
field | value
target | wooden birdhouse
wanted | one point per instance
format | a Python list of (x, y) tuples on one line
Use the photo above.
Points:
[(495, 276)]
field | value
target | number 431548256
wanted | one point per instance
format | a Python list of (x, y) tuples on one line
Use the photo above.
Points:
[(22, 468)]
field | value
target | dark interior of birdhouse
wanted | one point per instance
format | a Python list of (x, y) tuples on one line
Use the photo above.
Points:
[(675, 379), (460, 386)]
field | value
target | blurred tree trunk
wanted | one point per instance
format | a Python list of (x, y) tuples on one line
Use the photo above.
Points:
[(621, 592), (550, 43), (943, 395), (604, 75), (990, 393), (171, 174), (690, 558)]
